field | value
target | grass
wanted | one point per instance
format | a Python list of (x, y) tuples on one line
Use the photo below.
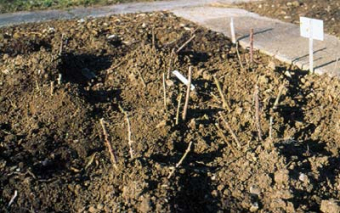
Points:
[(7, 6)]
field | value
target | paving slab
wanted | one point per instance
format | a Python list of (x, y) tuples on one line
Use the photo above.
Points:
[(272, 37)]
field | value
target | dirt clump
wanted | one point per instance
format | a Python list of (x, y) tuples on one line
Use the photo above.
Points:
[(67, 75)]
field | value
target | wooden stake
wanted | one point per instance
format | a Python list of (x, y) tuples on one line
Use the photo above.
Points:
[(257, 112), (164, 91), (108, 144), (230, 130), (186, 43), (184, 115), (180, 161), (225, 104), (178, 107), (129, 131)]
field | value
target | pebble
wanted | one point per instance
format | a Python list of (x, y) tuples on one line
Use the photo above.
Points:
[(254, 207)]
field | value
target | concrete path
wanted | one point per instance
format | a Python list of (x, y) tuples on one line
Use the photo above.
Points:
[(39, 16), (272, 37)]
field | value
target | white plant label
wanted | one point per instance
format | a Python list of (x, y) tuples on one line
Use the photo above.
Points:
[(312, 29), (183, 79)]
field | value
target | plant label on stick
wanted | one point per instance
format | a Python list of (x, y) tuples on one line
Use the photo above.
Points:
[(183, 79), (312, 29)]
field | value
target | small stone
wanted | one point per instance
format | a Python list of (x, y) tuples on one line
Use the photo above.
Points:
[(100, 206), (254, 207), (330, 206), (255, 190), (303, 177), (92, 209), (169, 83)]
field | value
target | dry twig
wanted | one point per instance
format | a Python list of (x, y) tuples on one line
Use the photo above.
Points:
[(129, 131), (276, 103), (220, 132), (108, 144), (178, 107), (225, 104), (184, 115), (239, 57), (230, 130), (180, 161), (52, 88), (61, 44), (251, 46), (164, 91), (185, 44)]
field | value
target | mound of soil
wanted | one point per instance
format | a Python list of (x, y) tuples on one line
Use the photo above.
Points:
[(273, 146), (291, 11)]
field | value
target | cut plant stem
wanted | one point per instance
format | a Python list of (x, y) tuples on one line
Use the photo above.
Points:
[(129, 130), (108, 144), (224, 102), (276, 103), (179, 99), (251, 46), (230, 130), (184, 115), (239, 57), (153, 38), (257, 112), (164, 91), (185, 44), (220, 132), (61, 44), (180, 161), (52, 88)]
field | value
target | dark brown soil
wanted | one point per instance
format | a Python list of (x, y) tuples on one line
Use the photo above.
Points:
[(290, 11), (52, 147)]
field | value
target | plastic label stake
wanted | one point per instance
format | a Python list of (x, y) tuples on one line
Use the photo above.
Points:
[(312, 29), (232, 31), (183, 79)]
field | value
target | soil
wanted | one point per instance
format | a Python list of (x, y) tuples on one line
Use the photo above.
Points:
[(291, 11), (59, 79)]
